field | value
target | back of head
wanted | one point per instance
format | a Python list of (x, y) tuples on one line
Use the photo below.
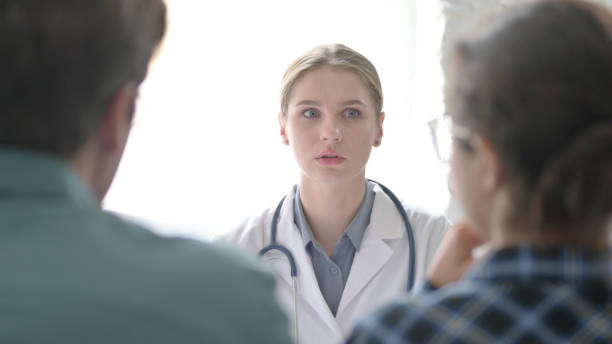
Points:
[(62, 61), (538, 86)]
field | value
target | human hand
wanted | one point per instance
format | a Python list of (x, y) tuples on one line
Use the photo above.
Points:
[(454, 256)]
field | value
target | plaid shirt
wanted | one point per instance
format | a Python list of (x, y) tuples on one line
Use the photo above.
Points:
[(517, 295)]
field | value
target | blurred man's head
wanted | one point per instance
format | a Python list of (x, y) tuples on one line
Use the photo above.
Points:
[(69, 75)]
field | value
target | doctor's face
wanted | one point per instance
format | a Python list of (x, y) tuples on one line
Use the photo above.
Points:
[(331, 125)]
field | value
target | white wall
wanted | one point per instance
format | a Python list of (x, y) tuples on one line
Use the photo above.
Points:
[(205, 151)]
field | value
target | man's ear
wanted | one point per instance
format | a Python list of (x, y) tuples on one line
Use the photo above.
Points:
[(117, 120), (491, 171), (283, 132)]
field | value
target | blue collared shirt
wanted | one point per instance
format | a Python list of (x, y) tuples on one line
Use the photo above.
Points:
[(518, 295), (332, 271)]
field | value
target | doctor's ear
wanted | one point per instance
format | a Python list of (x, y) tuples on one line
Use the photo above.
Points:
[(283, 132), (379, 134)]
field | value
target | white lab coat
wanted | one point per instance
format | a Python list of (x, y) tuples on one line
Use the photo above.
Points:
[(379, 272)]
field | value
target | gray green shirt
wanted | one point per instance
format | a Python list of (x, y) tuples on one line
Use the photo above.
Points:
[(71, 273)]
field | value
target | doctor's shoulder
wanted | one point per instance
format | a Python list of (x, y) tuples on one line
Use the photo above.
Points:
[(250, 235), (427, 224), (423, 218)]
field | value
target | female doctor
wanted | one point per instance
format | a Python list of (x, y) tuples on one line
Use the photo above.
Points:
[(347, 236)]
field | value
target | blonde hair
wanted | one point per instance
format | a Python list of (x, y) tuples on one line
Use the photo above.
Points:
[(335, 55)]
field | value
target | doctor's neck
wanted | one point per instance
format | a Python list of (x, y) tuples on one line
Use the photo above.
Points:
[(330, 207)]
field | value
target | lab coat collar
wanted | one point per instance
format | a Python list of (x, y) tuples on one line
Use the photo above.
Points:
[(386, 221), (308, 287), (385, 224)]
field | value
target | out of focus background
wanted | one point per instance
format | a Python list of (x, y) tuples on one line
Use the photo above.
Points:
[(205, 151)]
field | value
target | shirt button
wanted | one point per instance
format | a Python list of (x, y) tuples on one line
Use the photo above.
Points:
[(334, 270)]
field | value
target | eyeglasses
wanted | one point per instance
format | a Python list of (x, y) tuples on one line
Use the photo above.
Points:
[(444, 132)]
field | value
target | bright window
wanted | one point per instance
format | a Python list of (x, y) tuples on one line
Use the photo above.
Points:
[(205, 151)]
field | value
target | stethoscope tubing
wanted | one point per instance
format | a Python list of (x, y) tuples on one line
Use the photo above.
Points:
[(293, 267), (409, 233)]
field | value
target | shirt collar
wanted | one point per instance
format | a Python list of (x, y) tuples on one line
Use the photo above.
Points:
[(552, 264), (300, 219), (356, 228), (27, 174)]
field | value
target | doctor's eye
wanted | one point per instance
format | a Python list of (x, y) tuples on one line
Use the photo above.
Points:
[(310, 113), (351, 113)]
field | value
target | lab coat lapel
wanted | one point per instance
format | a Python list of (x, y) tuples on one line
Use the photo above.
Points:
[(385, 224), (308, 287)]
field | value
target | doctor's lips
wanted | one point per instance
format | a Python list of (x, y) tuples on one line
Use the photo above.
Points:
[(330, 157)]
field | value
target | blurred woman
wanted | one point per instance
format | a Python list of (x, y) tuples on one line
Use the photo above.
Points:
[(531, 119)]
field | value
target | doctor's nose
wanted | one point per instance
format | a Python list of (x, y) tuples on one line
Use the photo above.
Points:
[(331, 134)]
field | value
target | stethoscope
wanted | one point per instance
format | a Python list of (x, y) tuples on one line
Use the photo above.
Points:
[(275, 246)]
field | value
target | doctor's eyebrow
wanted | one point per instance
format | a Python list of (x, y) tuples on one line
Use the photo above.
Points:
[(353, 102), (308, 102)]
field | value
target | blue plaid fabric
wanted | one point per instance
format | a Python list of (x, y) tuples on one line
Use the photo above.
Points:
[(517, 295)]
